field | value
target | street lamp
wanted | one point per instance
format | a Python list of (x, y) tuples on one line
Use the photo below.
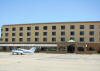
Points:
[(86, 45)]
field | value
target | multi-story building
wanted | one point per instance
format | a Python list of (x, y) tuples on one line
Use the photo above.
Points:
[(78, 37)]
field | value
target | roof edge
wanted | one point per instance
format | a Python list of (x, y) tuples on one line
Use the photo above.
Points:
[(54, 23)]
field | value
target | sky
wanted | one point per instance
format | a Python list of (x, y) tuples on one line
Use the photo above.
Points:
[(37, 11)]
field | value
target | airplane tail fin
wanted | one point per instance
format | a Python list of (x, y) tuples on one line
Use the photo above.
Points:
[(33, 49)]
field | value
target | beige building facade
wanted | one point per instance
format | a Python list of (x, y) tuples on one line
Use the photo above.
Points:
[(79, 34)]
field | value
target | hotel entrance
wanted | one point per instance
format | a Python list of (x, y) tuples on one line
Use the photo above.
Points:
[(71, 46), (71, 49)]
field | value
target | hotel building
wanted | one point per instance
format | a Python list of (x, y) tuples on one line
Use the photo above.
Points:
[(56, 37)]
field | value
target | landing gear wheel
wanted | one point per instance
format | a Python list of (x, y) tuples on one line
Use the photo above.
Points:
[(21, 53)]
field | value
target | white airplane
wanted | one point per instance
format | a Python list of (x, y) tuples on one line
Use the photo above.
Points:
[(22, 51)]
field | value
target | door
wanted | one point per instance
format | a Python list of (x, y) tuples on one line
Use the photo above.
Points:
[(71, 48)]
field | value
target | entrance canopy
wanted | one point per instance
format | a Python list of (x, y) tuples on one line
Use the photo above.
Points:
[(35, 45), (71, 41)]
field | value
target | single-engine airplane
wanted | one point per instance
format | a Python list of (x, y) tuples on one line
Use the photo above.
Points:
[(22, 51)]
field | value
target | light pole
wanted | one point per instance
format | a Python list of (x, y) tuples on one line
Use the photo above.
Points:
[(86, 45)]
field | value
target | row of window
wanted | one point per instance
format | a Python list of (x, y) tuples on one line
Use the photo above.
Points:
[(82, 33), (53, 27), (53, 39), (53, 33), (79, 48)]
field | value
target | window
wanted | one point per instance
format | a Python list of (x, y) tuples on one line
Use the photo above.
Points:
[(53, 39), (44, 39), (91, 49), (45, 27), (62, 39), (52, 49), (13, 39), (44, 33), (4, 48), (91, 39), (21, 34), (21, 28), (53, 27), (62, 33), (80, 48), (72, 38), (72, 26), (43, 49), (91, 26), (13, 29), (20, 39), (53, 33), (13, 34), (81, 32), (28, 28), (36, 27), (1, 34), (91, 32), (6, 39), (1, 29), (28, 39), (28, 33), (62, 48), (72, 33), (36, 39), (63, 27), (81, 39), (36, 33), (81, 26), (6, 29), (6, 34)]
